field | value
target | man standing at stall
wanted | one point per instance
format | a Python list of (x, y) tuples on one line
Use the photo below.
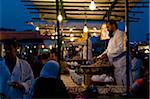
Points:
[(116, 52)]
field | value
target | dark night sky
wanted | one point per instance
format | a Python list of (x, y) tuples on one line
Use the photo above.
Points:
[(13, 15)]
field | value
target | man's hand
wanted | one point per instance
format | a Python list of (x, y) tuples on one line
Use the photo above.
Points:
[(17, 85), (103, 57), (95, 59)]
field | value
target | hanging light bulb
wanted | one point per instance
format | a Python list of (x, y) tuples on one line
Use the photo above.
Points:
[(56, 33), (43, 46), (95, 30), (85, 28), (92, 5), (37, 28), (94, 34), (59, 17), (72, 39), (56, 37), (71, 35), (50, 47), (71, 29), (63, 42), (52, 37)]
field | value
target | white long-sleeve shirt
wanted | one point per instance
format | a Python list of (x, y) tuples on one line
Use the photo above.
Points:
[(22, 73), (115, 52), (116, 45)]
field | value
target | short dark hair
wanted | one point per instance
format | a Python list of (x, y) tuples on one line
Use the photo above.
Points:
[(54, 51), (45, 56), (112, 22), (9, 42)]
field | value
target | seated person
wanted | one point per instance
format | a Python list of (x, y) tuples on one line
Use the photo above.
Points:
[(140, 87), (137, 65), (49, 85)]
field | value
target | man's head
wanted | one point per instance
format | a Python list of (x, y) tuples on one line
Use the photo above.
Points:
[(45, 57), (53, 54), (111, 27), (10, 47)]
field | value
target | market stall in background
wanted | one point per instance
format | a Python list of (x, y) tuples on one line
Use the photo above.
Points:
[(77, 29), (81, 33)]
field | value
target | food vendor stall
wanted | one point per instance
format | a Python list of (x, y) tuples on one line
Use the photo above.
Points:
[(78, 13)]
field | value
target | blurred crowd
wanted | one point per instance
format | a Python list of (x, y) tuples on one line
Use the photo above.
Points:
[(39, 75)]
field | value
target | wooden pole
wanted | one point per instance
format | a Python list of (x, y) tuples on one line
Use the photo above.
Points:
[(127, 45)]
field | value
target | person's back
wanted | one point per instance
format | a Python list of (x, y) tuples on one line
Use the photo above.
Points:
[(140, 88), (137, 65), (48, 85), (50, 88)]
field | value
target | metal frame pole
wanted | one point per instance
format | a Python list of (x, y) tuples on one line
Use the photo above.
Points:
[(127, 45), (57, 29), (87, 46)]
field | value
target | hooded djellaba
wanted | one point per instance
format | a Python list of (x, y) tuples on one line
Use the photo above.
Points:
[(49, 85)]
